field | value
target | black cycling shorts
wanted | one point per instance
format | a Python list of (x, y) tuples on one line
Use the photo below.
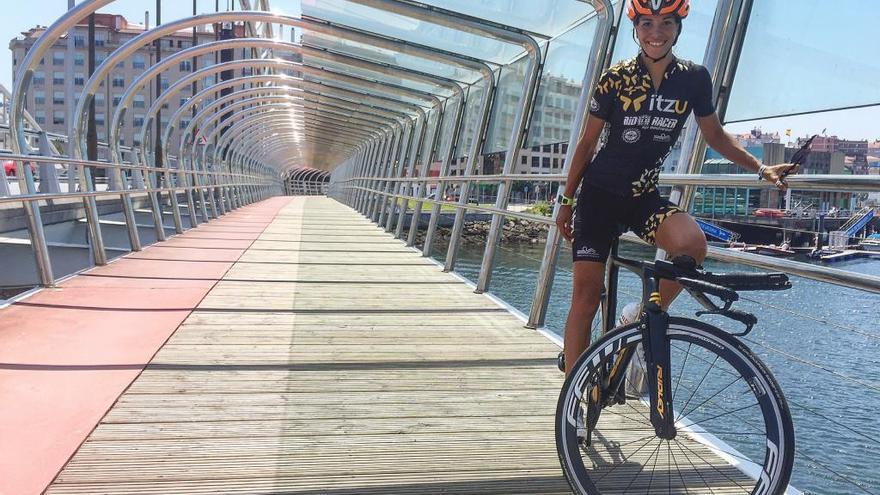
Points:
[(601, 217)]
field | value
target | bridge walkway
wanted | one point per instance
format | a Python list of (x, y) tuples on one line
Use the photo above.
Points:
[(326, 357)]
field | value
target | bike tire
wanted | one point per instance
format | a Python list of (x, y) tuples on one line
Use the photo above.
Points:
[(737, 472)]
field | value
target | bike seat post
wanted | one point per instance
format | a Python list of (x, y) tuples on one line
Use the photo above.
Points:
[(612, 273)]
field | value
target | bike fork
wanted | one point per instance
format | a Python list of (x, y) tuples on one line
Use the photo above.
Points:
[(657, 357)]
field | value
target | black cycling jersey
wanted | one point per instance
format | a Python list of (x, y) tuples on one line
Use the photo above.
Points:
[(642, 124)]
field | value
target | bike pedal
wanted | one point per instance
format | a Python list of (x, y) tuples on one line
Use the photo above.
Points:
[(560, 361)]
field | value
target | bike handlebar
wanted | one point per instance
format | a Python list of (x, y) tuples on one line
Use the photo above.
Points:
[(709, 288), (685, 268)]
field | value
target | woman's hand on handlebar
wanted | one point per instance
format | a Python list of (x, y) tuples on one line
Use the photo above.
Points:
[(563, 222)]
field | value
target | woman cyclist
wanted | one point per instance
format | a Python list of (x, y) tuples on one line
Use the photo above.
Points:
[(639, 107)]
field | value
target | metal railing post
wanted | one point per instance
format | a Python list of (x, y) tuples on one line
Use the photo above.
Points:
[(35, 225), (395, 168), (395, 185), (595, 66), (514, 145), (473, 157), (422, 185), (384, 172), (407, 187), (455, 131)]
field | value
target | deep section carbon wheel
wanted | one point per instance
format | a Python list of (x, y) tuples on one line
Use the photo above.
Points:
[(734, 430)]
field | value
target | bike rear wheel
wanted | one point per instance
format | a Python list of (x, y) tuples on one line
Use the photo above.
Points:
[(734, 429)]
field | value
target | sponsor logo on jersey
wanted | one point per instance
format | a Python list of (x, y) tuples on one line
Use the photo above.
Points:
[(667, 105), (635, 102), (631, 135), (662, 138), (634, 120), (594, 105), (663, 123)]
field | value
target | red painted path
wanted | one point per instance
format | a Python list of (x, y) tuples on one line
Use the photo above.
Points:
[(66, 354)]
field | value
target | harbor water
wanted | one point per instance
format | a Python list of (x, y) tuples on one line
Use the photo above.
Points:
[(821, 342)]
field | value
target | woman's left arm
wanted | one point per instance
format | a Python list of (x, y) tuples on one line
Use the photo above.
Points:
[(722, 142)]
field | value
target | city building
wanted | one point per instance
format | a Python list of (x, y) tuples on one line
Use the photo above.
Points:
[(739, 200), (857, 150), (61, 76)]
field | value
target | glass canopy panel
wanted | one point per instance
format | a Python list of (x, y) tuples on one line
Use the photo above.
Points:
[(389, 93), (471, 117), (547, 18), (382, 76), (412, 30), (508, 96), (561, 83), (376, 54), (448, 129), (806, 57), (428, 141)]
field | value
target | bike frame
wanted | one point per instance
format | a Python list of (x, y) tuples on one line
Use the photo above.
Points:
[(654, 323)]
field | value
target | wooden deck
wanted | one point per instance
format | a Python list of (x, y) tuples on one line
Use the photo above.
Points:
[(331, 359)]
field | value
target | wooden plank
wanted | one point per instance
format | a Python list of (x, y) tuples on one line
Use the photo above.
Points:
[(331, 359)]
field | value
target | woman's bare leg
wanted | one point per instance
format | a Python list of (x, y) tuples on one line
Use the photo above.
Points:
[(586, 290), (678, 235)]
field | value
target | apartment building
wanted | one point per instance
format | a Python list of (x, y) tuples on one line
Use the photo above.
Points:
[(59, 79)]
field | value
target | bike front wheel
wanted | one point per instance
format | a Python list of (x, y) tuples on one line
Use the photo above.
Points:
[(734, 429)]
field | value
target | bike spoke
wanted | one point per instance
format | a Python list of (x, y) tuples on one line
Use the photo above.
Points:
[(704, 360), (697, 471), (720, 429), (655, 455), (710, 397), (681, 370), (711, 418), (711, 465), (627, 458), (700, 384), (643, 414)]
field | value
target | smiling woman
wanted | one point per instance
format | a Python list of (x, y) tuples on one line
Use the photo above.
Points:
[(638, 110)]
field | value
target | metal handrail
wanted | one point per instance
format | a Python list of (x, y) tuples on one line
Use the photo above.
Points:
[(111, 165), (870, 283), (27, 198), (825, 182)]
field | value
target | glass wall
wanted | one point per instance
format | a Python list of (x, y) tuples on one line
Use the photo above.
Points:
[(561, 83), (545, 18), (476, 93), (376, 54), (508, 96), (427, 142), (448, 129), (806, 56), (410, 29)]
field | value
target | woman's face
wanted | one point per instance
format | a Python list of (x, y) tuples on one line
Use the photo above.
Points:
[(657, 34)]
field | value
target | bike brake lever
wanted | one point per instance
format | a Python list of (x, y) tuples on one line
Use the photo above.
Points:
[(747, 319)]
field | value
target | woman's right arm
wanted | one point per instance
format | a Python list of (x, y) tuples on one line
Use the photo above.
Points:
[(583, 152)]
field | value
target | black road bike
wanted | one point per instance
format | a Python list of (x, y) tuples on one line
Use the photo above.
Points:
[(675, 405)]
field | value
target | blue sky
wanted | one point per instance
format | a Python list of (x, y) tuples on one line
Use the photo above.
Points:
[(805, 81)]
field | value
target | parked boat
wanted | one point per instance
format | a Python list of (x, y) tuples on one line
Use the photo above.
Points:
[(870, 244), (767, 250)]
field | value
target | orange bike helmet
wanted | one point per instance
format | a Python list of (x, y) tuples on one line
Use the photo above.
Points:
[(636, 8)]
